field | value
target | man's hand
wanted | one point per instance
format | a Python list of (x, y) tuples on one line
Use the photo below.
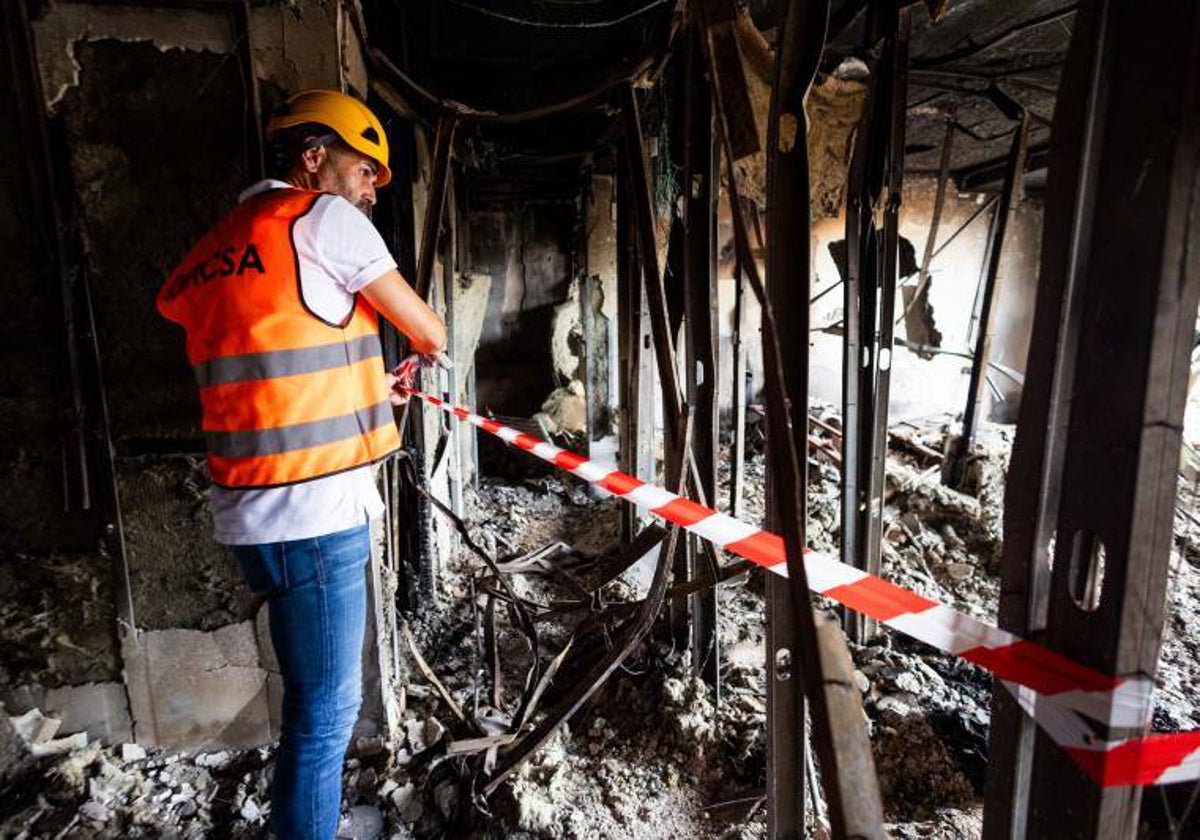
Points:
[(405, 373), (395, 395)]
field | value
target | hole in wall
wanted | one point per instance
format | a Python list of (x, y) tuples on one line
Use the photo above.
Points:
[(783, 664), (1086, 579)]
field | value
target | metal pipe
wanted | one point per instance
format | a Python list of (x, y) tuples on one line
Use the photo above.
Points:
[(956, 465), (939, 204)]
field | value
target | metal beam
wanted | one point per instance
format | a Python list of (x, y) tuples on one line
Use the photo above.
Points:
[(435, 205), (847, 767), (939, 204), (956, 464), (867, 292), (737, 470), (1099, 430), (587, 325), (886, 270), (638, 171), (256, 150), (856, 352), (700, 302), (636, 368)]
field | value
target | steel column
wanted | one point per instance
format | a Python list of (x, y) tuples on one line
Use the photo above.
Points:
[(886, 264), (1092, 479), (869, 297), (737, 470), (700, 301), (636, 369), (847, 768)]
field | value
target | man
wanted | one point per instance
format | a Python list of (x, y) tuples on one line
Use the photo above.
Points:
[(279, 303)]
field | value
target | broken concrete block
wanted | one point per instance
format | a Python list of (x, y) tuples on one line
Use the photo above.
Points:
[(565, 409), (191, 689), (59, 746), (99, 709), (132, 752), (12, 749), (238, 644), (35, 727)]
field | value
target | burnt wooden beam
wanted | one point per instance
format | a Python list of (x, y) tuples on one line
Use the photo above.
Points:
[(843, 747), (1099, 431), (794, 646)]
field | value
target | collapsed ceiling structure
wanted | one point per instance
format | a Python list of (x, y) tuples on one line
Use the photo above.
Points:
[(655, 229)]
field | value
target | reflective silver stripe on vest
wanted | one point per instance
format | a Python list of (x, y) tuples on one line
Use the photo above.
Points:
[(275, 363), (259, 442)]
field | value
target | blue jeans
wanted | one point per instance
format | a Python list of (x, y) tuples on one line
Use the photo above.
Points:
[(317, 593)]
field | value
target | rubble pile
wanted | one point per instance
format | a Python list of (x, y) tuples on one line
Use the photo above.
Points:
[(653, 752)]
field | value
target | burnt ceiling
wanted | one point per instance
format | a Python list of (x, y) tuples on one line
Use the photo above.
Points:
[(974, 66)]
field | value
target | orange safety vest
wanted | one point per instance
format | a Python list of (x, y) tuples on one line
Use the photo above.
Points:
[(285, 396)]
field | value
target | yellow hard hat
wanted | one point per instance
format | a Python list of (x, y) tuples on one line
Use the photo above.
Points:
[(350, 119)]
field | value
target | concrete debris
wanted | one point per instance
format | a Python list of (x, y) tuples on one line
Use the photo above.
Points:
[(565, 411), (13, 751), (188, 687), (651, 753), (363, 822), (34, 727)]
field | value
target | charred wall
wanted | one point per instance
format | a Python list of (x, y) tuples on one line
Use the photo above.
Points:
[(34, 415), (526, 246), (147, 110), (157, 155)]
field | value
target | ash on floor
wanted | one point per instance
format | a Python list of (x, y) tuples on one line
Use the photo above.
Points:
[(652, 753)]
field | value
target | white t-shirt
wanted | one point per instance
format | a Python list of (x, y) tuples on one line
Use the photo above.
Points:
[(340, 252)]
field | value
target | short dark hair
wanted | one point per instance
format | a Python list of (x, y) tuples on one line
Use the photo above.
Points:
[(289, 144)]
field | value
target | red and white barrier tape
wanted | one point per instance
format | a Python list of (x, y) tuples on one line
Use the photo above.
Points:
[(1057, 692)]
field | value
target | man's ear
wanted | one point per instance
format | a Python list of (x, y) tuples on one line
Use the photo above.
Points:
[(311, 159)]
